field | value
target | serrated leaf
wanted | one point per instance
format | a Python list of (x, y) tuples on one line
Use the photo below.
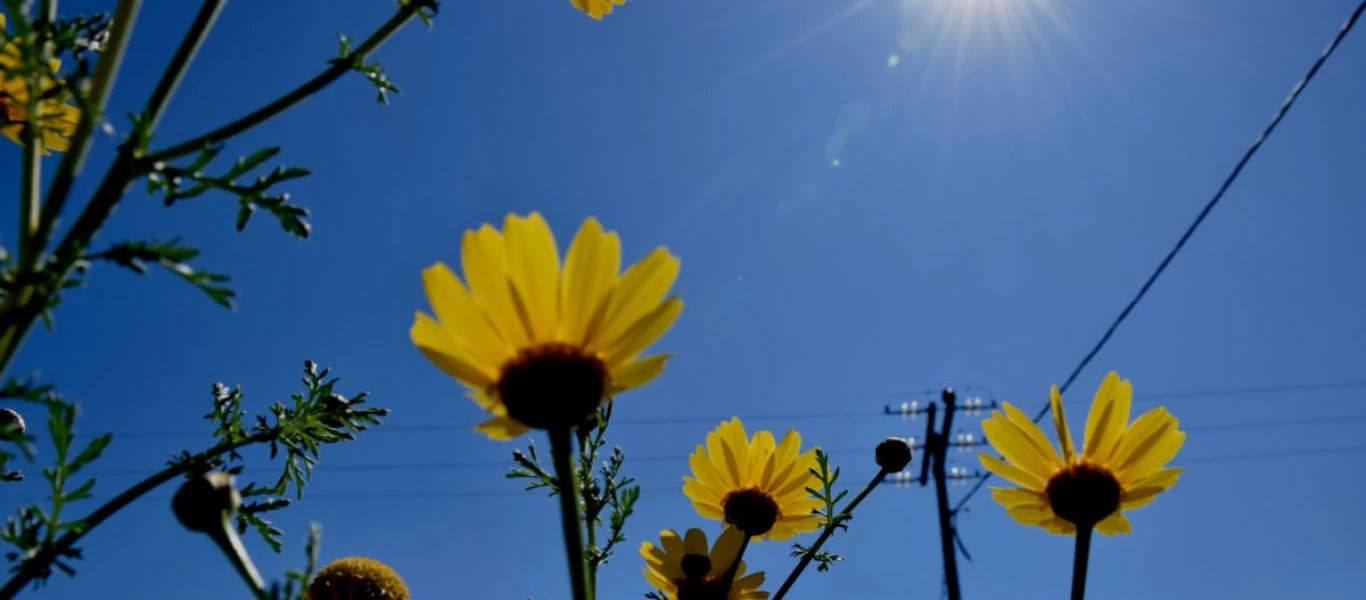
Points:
[(91, 452)]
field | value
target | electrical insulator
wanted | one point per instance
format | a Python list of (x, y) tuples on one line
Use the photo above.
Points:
[(910, 441), (905, 410)]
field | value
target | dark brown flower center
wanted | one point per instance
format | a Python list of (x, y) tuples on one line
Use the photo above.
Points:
[(751, 511), (1084, 494), (696, 566), (552, 386)]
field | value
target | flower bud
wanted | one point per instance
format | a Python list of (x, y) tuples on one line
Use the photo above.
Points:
[(203, 504), (357, 578), (893, 454), (11, 423)]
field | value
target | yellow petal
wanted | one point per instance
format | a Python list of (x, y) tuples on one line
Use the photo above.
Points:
[(695, 542), (694, 490), (1031, 430), (501, 428), (436, 343), (673, 545), (645, 331), (736, 444), (1010, 472), (638, 373), (725, 551), (760, 451), (484, 261), (534, 267), (1146, 446), (709, 511), (1018, 497), (1029, 515), (704, 469), (1016, 448), (641, 289), (1145, 490), (1060, 423), (590, 272), (751, 582), (1108, 417), (459, 315), (1059, 526), (1114, 524)]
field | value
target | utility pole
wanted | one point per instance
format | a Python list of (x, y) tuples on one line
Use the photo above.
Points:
[(933, 461), (936, 450)]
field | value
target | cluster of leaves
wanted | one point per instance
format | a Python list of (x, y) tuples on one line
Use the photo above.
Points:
[(34, 529), (831, 516), (313, 418), (603, 487)]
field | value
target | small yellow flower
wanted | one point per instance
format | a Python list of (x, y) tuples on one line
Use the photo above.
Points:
[(596, 8), (56, 118), (684, 570), (538, 345), (357, 579), (757, 486), (1121, 466)]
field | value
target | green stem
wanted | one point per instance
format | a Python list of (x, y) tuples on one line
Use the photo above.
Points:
[(1079, 562), (32, 567), (231, 545), (590, 528), (92, 112), (566, 480), (830, 528), (338, 68)]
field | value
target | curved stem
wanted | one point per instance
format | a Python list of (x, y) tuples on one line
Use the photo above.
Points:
[(729, 577), (33, 566), (231, 545), (338, 68), (830, 528), (1079, 562), (566, 481)]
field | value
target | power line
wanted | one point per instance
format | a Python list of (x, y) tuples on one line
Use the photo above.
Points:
[(1200, 218), (665, 458), (656, 489), (814, 416)]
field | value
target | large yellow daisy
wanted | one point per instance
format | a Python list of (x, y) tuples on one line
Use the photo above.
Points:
[(541, 345), (1121, 466), (56, 119), (596, 8), (683, 569), (756, 485)]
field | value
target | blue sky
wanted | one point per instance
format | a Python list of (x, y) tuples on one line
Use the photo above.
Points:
[(851, 226)]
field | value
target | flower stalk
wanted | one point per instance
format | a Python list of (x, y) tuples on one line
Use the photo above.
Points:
[(835, 523), (566, 481), (1079, 562)]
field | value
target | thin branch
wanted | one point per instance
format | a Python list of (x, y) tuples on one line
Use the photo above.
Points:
[(338, 68)]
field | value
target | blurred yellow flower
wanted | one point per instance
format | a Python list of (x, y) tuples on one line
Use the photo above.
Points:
[(757, 486), (57, 119), (596, 8), (683, 569), (538, 345), (357, 578), (1121, 466)]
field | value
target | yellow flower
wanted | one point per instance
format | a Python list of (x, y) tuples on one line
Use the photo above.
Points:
[(538, 345), (1121, 466), (596, 8), (357, 579), (56, 118), (684, 570), (757, 486)]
